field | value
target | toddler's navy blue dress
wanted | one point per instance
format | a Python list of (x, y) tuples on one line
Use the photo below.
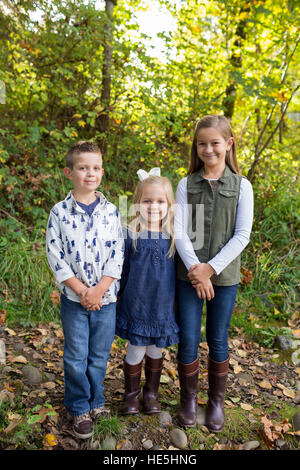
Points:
[(145, 310)]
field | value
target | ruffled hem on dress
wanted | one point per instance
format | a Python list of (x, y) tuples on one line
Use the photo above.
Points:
[(138, 340), (140, 328)]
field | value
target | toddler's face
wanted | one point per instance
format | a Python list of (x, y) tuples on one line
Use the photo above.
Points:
[(86, 173), (153, 205)]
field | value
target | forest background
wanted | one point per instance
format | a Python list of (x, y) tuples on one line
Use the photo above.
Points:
[(73, 70)]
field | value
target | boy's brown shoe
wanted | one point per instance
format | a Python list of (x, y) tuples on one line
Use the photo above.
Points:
[(83, 426), (100, 413)]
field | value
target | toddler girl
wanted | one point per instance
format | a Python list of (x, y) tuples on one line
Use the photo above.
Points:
[(145, 312)]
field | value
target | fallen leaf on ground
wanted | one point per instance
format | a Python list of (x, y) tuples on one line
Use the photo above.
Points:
[(246, 406), (234, 399), (20, 359), (2, 316), (265, 384), (235, 365), (172, 373), (247, 276), (164, 379), (289, 393), (12, 425), (201, 401), (241, 352), (49, 385), (275, 430), (10, 331), (50, 440), (114, 347)]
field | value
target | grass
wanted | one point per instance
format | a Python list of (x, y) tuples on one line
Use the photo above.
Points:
[(26, 283), (237, 428), (106, 428)]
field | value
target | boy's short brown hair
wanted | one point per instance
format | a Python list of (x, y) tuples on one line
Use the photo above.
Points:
[(83, 146)]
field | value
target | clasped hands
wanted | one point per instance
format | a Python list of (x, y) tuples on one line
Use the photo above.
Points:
[(91, 298), (199, 275)]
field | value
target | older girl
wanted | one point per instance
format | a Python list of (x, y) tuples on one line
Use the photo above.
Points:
[(209, 240)]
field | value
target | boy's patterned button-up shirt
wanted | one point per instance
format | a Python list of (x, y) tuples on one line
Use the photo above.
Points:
[(88, 247)]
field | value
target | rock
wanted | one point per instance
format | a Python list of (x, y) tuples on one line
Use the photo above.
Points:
[(147, 444), (164, 418), (178, 438), (94, 445), (157, 448), (32, 375), (126, 445), (296, 421), (297, 398), (281, 444), (245, 378), (251, 445), (200, 421), (284, 342), (50, 377), (109, 443), (2, 352), (296, 357), (19, 346)]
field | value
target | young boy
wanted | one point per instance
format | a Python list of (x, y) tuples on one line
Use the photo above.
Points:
[(85, 252)]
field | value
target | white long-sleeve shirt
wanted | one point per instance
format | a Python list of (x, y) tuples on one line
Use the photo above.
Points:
[(242, 230), (88, 247)]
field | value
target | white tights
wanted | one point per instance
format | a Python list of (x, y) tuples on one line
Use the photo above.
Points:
[(135, 354)]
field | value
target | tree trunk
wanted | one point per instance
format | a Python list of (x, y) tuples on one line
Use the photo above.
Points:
[(236, 62), (102, 121)]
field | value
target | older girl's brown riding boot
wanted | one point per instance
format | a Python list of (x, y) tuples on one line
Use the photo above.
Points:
[(153, 368), (188, 379), (132, 375), (217, 378)]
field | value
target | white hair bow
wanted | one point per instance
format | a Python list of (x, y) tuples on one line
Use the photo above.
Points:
[(142, 174)]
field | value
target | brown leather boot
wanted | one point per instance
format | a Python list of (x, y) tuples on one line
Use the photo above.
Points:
[(188, 379), (217, 378), (153, 368), (132, 375)]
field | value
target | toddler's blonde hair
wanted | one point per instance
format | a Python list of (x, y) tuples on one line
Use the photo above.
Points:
[(138, 225)]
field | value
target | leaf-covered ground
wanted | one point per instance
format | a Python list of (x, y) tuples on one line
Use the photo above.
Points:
[(261, 398)]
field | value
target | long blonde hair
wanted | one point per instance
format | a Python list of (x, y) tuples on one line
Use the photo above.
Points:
[(137, 224), (222, 125)]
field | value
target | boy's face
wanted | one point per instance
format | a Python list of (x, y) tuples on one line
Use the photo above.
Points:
[(86, 173)]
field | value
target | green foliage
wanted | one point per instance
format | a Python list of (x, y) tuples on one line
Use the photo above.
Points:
[(107, 427), (228, 57), (26, 433)]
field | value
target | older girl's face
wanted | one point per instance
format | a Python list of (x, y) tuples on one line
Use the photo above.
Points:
[(153, 205), (212, 147)]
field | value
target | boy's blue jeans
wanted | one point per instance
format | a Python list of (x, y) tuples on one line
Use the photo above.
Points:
[(218, 317), (88, 336)]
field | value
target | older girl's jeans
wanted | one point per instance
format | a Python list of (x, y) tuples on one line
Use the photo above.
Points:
[(88, 336), (218, 316)]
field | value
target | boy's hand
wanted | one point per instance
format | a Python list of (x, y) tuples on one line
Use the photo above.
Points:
[(91, 298), (199, 275)]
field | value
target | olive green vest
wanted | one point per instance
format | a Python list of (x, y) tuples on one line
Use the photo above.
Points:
[(212, 221)]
